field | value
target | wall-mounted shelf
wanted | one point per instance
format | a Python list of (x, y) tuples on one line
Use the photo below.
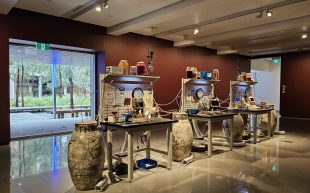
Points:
[(242, 83), (192, 81), (127, 78)]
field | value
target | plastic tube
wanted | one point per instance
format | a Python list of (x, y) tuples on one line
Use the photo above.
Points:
[(188, 160), (101, 186)]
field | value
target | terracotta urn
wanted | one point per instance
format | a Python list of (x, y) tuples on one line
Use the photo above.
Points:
[(238, 128), (182, 139), (263, 122), (86, 155)]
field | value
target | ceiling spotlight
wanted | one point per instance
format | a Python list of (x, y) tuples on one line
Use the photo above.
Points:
[(98, 8), (304, 36), (105, 4), (196, 31), (269, 13)]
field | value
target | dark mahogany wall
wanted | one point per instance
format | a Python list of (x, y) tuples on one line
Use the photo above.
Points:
[(169, 62), (4, 80), (26, 25), (295, 75)]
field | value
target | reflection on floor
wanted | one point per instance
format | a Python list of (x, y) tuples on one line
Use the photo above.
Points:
[(37, 124), (277, 165), (34, 156)]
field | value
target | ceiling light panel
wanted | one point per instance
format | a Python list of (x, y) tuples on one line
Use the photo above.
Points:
[(283, 13), (54, 7), (115, 14)]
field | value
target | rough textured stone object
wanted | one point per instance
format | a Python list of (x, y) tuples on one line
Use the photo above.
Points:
[(238, 128), (86, 155), (182, 140)]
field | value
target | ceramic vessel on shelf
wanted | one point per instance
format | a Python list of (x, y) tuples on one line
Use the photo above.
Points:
[(189, 72), (182, 138), (86, 155), (123, 64), (133, 70), (216, 74), (141, 68)]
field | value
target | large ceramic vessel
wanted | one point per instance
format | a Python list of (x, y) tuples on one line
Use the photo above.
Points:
[(238, 128), (86, 155), (182, 139), (263, 122)]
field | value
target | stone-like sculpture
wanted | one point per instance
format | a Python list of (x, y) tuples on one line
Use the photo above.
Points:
[(238, 128), (182, 138), (86, 155), (263, 122)]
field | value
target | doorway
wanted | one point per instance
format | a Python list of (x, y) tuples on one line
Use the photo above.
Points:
[(50, 90), (268, 74)]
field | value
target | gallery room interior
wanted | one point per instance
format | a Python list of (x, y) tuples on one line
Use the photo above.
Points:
[(154, 96)]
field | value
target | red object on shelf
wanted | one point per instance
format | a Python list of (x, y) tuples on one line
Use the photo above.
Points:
[(141, 68)]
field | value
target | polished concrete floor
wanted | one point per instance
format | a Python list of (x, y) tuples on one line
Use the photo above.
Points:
[(280, 164)]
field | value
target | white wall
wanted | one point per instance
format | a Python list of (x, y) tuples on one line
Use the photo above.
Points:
[(268, 77)]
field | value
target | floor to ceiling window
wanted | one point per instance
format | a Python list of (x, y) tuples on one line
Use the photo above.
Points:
[(50, 90)]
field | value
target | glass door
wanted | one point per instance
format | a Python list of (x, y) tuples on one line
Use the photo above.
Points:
[(50, 90), (73, 90)]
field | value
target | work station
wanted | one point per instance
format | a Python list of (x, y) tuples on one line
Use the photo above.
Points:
[(154, 96)]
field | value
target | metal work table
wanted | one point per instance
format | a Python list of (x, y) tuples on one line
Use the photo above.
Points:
[(256, 112), (213, 118), (132, 128)]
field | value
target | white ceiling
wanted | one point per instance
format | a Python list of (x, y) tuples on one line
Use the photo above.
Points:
[(225, 25)]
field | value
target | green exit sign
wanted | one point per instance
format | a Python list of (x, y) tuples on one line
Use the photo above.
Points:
[(42, 46), (276, 60)]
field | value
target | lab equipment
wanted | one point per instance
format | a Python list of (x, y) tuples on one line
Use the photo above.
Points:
[(113, 70), (141, 68), (216, 74), (123, 64)]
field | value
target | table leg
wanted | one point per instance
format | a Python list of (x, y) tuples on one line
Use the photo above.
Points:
[(148, 145), (169, 147), (130, 156), (231, 133), (209, 138), (109, 150), (255, 129), (196, 129), (269, 124)]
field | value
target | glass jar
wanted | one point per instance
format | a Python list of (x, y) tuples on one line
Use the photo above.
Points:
[(133, 70), (189, 72), (124, 65), (195, 72), (141, 68)]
